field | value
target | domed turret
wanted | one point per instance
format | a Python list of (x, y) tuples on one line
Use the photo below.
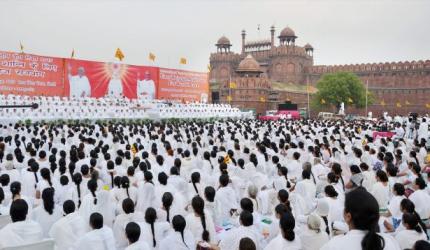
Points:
[(249, 65), (309, 49), (287, 36), (223, 44)]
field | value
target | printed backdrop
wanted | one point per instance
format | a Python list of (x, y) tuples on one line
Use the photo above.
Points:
[(26, 74)]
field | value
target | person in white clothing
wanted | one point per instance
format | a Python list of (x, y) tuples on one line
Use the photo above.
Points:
[(179, 237), (132, 232), (21, 231), (67, 230), (100, 237), (312, 237), (79, 84), (145, 87), (362, 216), (200, 223), (47, 213), (412, 233), (287, 239)]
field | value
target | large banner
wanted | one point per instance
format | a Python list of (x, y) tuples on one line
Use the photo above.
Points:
[(99, 79), (32, 75), (26, 74), (183, 85)]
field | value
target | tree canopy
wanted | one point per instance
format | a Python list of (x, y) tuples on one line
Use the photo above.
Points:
[(335, 88)]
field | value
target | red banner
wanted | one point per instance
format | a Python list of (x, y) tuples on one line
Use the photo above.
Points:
[(26, 74), (183, 85), (98, 79)]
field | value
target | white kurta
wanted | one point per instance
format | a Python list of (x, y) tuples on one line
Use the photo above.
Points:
[(67, 230), (279, 242), (352, 241), (174, 241), (79, 86), (146, 89), (45, 219), (98, 239), (19, 233), (407, 238)]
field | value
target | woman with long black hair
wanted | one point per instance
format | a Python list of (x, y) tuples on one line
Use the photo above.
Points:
[(287, 239), (179, 237), (48, 212), (200, 222), (362, 215), (413, 231), (153, 231)]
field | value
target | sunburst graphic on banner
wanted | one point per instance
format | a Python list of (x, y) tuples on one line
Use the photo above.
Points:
[(108, 72)]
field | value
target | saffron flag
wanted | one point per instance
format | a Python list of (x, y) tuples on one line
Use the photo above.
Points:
[(183, 60), (350, 100), (262, 99), (229, 98), (407, 103), (383, 103), (398, 104), (233, 85), (119, 54), (322, 101), (209, 68), (151, 57)]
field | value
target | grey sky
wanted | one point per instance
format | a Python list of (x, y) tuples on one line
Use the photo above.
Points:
[(343, 31)]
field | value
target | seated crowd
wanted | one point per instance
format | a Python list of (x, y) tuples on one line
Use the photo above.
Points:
[(243, 184)]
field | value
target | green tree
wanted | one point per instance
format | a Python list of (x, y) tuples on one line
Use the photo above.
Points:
[(335, 88)]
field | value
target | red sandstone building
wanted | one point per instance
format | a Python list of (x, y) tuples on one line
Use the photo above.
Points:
[(265, 74)]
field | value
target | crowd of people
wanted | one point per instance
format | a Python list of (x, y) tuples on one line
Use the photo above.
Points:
[(80, 108), (229, 185)]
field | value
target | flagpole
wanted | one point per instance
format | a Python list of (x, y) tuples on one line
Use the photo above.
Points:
[(229, 90), (307, 90), (367, 92)]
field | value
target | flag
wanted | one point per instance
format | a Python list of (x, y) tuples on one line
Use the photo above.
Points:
[(133, 149), (151, 57), (428, 105), (398, 104), (262, 99), (73, 54), (233, 85), (350, 100), (383, 103), (119, 54), (229, 98), (227, 159), (322, 101), (407, 103), (209, 68), (21, 47), (308, 89), (183, 60)]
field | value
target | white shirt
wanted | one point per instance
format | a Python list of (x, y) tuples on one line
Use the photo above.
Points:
[(146, 89), (79, 85), (97, 239), (67, 230), (407, 238), (174, 241), (352, 241), (281, 243), (20, 233), (139, 245), (45, 219)]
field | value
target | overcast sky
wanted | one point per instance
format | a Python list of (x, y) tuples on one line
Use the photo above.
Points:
[(342, 31)]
